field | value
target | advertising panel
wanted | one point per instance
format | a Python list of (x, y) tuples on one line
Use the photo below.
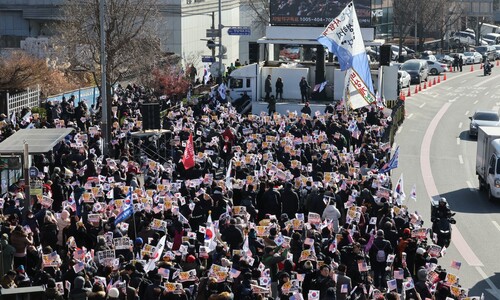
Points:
[(315, 12)]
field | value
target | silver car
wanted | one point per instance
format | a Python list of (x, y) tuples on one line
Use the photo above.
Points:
[(483, 118)]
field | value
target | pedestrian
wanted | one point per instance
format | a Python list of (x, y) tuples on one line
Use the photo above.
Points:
[(460, 62), (268, 88), (455, 62), (304, 89), (306, 109), (271, 106), (279, 89)]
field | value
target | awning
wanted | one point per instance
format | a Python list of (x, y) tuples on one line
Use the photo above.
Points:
[(38, 140)]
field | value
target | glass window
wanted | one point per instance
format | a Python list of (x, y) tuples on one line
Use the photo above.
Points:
[(236, 83), (498, 167)]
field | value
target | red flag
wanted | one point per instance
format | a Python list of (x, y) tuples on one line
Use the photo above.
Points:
[(188, 159)]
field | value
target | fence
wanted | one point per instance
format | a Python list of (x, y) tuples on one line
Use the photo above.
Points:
[(88, 95), (16, 102)]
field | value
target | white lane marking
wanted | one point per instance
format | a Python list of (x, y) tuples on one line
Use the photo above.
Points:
[(461, 159), (463, 81), (485, 94), (458, 141), (460, 125), (399, 129), (471, 187), (496, 225), (467, 112), (475, 102), (422, 105), (409, 116), (464, 248)]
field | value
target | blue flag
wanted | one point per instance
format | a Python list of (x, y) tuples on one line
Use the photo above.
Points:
[(342, 36), (392, 164), (124, 215)]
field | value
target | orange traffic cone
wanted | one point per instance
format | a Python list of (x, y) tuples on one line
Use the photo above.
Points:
[(416, 90), (498, 63), (430, 83), (402, 96), (451, 70), (419, 87), (444, 77), (439, 79), (472, 68), (434, 83), (409, 93), (425, 85)]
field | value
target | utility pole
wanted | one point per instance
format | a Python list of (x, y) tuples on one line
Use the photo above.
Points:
[(104, 90), (221, 69), (213, 27), (26, 175)]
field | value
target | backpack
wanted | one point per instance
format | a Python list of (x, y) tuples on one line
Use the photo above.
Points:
[(380, 256)]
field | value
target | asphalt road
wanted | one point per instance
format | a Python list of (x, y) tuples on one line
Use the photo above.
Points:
[(437, 155)]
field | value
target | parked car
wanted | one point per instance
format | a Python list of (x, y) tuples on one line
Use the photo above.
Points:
[(395, 52), (472, 58), (436, 68), (483, 118), (497, 51), (444, 58), (417, 68), (492, 38), (487, 52), (404, 79), (464, 37)]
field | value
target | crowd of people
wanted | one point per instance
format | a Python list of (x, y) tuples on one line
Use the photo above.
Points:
[(269, 207)]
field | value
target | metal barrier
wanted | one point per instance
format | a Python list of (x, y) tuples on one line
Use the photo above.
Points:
[(24, 293), (398, 116)]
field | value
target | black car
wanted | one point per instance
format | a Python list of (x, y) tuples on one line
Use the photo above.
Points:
[(417, 68)]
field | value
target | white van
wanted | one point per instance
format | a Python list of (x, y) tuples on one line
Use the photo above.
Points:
[(492, 38)]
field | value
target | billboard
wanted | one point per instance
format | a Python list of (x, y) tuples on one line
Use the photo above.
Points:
[(315, 12)]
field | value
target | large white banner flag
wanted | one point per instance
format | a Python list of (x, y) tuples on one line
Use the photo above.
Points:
[(343, 38)]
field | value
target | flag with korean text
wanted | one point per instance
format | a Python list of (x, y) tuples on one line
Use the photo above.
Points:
[(342, 36)]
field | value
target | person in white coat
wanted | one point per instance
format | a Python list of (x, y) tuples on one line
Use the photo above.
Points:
[(332, 213)]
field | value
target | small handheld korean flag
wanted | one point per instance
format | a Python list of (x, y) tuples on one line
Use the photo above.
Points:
[(313, 295), (413, 193)]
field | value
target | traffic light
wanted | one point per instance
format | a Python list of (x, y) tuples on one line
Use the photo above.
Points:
[(211, 44)]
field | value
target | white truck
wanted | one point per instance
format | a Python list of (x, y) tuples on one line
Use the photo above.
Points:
[(488, 160)]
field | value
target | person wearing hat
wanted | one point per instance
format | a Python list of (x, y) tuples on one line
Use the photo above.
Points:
[(78, 289), (378, 255), (271, 258), (22, 279)]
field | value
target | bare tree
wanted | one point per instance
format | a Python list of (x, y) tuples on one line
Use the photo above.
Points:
[(131, 40), (404, 19), (260, 12)]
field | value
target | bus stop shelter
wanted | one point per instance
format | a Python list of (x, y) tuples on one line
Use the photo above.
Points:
[(27, 142)]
